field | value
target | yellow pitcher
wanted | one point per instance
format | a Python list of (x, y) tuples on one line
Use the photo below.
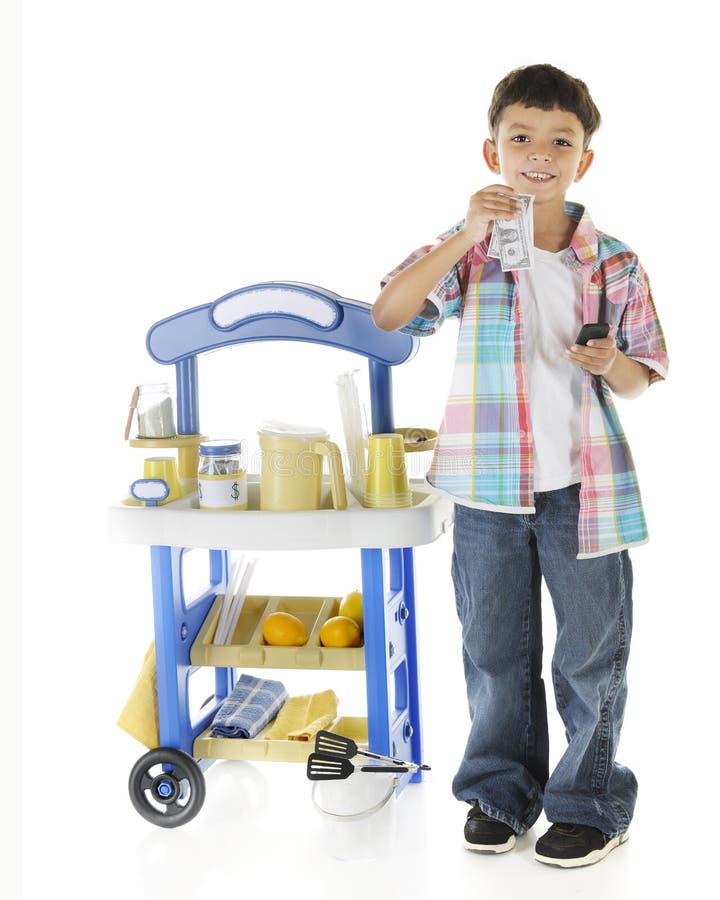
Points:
[(292, 467)]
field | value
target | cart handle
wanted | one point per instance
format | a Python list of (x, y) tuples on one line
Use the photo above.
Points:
[(278, 310)]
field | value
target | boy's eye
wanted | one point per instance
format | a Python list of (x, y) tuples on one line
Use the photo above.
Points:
[(562, 142), (520, 139)]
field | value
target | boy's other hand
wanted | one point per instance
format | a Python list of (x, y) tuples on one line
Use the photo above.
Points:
[(598, 356), (497, 201)]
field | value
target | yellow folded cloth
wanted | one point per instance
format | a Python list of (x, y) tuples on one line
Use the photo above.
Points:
[(302, 717), (304, 734), (139, 717)]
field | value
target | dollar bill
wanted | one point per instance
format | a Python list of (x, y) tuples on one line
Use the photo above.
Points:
[(512, 239)]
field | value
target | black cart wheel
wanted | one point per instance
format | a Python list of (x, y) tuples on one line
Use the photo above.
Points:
[(167, 787)]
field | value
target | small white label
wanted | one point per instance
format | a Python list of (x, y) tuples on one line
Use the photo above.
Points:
[(223, 491)]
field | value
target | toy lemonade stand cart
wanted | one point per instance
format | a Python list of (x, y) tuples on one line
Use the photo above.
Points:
[(167, 783)]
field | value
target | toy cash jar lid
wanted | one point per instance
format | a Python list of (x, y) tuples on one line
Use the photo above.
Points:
[(220, 448)]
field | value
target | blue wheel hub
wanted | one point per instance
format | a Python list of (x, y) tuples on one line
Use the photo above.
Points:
[(165, 788)]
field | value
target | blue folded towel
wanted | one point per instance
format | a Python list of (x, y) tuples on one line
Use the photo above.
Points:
[(248, 708)]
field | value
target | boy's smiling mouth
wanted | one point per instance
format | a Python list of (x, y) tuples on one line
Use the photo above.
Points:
[(537, 177)]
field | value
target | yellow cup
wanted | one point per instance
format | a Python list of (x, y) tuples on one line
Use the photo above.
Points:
[(164, 467), (387, 481)]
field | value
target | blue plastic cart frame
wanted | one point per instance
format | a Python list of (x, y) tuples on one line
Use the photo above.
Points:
[(300, 312)]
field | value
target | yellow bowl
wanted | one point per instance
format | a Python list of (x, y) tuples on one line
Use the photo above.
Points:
[(416, 440)]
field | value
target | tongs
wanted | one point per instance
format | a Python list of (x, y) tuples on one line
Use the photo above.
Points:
[(329, 744), (328, 767)]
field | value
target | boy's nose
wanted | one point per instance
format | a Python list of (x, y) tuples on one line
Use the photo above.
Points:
[(541, 154)]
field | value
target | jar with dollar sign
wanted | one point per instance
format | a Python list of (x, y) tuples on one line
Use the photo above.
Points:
[(222, 479)]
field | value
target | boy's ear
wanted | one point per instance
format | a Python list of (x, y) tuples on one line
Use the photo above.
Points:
[(584, 164), (491, 156)]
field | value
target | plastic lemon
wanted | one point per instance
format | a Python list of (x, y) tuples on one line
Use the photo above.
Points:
[(282, 629), (352, 605), (341, 631)]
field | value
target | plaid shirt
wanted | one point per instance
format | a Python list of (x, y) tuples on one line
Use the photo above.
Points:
[(484, 452)]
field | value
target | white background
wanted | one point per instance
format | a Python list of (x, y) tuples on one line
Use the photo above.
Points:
[(172, 152)]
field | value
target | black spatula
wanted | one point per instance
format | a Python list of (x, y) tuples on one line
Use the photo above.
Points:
[(327, 767), (338, 745)]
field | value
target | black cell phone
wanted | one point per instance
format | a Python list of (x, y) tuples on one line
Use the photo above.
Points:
[(592, 330)]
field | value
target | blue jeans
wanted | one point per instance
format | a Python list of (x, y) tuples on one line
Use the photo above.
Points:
[(499, 560)]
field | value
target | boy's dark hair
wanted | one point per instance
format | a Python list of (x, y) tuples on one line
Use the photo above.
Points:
[(545, 87)]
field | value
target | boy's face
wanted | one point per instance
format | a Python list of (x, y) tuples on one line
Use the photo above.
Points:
[(538, 151)]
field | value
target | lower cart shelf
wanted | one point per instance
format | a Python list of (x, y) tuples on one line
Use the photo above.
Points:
[(208, 747)]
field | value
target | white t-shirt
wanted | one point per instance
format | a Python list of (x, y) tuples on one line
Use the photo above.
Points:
[(551, 306)]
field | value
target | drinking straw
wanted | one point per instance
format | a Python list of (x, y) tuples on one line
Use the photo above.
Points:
[(355, 436), (221, 629), (239, 599)]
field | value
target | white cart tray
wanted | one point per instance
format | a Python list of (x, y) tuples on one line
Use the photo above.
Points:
[(183, 524)]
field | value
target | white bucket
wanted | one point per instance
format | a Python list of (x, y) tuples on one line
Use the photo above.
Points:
[(359, 814)]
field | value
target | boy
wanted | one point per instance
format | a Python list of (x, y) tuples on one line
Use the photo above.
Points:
[(532, 451)]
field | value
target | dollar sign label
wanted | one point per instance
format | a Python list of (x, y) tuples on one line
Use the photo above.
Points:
[(200, 496), (235, 491)]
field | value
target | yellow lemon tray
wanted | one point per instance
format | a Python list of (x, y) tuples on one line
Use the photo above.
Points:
[(248, 649), (206, 746)]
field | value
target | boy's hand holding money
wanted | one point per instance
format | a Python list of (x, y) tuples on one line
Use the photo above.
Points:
[(598, 356), (497, 201)]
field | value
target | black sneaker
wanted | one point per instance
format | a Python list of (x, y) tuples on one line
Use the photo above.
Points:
[(575, 845), (487, 835)]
